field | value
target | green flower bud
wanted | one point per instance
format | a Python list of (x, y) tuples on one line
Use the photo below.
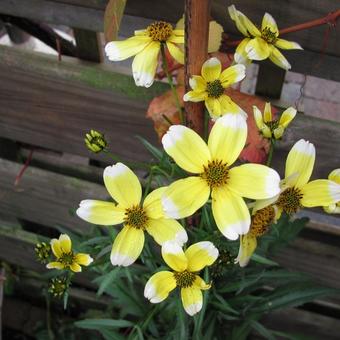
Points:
[(43, 252), (58, 286), (95, 141), (224, 261)]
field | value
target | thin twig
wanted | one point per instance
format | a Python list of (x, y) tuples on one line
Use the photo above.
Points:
[(23, 169)]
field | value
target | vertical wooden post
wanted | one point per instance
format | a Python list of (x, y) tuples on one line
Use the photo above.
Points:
[(197, 14)]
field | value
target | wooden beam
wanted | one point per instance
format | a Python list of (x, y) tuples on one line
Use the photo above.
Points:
[(88, 45)]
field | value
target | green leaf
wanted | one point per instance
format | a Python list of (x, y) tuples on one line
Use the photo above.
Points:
[(261, 259), (107, 280), (157, 153), (98, 324), (112, 17), (266, 333)]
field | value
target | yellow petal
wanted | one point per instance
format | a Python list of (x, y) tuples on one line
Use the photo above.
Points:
[(123, 185), (335, 176), (100, 212), (254, 181), (187, 148), (127, 246), (65, 243), (120, 50), (267, 113), (56, 248), (200, 255), (232, 75), (287, 45), (75, 267), (258, 118), (195, 96), (163, 230), (174, 256), (244, 25), (278, 58), (144, 65), (230, 212), (192, 300), (152, 204), (175, 52), (300, 161), (55, 265), (318, 193), (197, 83), (287, 116), (185, 196), (248, 244), (159, 286), (257, 49), (227, 138), (260, 204), (215, 36), (332, 209), (228, 106), (211, 69), (213, 106), (176, 39), (278, 132), (201, 284), (83, 259), (269, 22), (240, 55)]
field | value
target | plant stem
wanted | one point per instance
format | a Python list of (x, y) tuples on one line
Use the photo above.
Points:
[(48, 318), (131, 164), (173, 88), (148, 183), (206, 125), (271, 151)]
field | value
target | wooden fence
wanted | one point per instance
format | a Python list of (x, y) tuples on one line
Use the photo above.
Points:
[(47, 105)]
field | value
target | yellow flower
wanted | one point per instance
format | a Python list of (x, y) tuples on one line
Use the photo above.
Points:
[(185, 265), (260, 222), (137, 216), (65, 257), (296, 190), (145, 45), (210, 86), (213, 173), (273, 128), (260, 44), (334, 208), (215, 34)]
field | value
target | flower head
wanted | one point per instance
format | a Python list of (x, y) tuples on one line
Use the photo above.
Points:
[(260, 44), (95, 141), (137, 216), (273, 128), (334, 208), (214, 174), (65, 257), (210, 86), (185, 265), (58, 286), (145, 45), (296, 189), (43, 252), (260, 223)]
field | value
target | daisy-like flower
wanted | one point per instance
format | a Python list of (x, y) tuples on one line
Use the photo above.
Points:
[(186, 265), (124, 187), (260, 223), (65, 257), (213, 173), (296, 190), (335, 207), (210, 86), (260, 44), (273, 128), (145, 45)]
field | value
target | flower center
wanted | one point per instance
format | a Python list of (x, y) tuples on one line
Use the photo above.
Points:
[(159, 31), (184, 279), (289, 200), (215, 88), (216, 173), (261, 221), (268, 35), (67, 258), (274, 124), (135, 217)]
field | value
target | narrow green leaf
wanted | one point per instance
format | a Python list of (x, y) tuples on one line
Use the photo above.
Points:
[(152, 149), (98, 324), (260, 259)]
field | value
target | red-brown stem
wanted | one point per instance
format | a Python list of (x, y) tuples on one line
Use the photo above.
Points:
[(27, 163), (331, 18), (162, 74), (58, 48), (197, 14)]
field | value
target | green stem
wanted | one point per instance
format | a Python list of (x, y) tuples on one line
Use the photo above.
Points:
[(130, 164), (48, 318), (148, 184), (206, 125), (173, 88), (271, 151)]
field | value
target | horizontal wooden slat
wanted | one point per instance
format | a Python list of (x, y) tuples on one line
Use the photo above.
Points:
[(89, 15)]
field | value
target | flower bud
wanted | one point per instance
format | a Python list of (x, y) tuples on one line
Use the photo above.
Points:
[(43, 252), (95, 141), (58, 286)]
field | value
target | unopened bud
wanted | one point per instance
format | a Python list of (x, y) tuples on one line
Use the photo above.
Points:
[(95, 141)]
